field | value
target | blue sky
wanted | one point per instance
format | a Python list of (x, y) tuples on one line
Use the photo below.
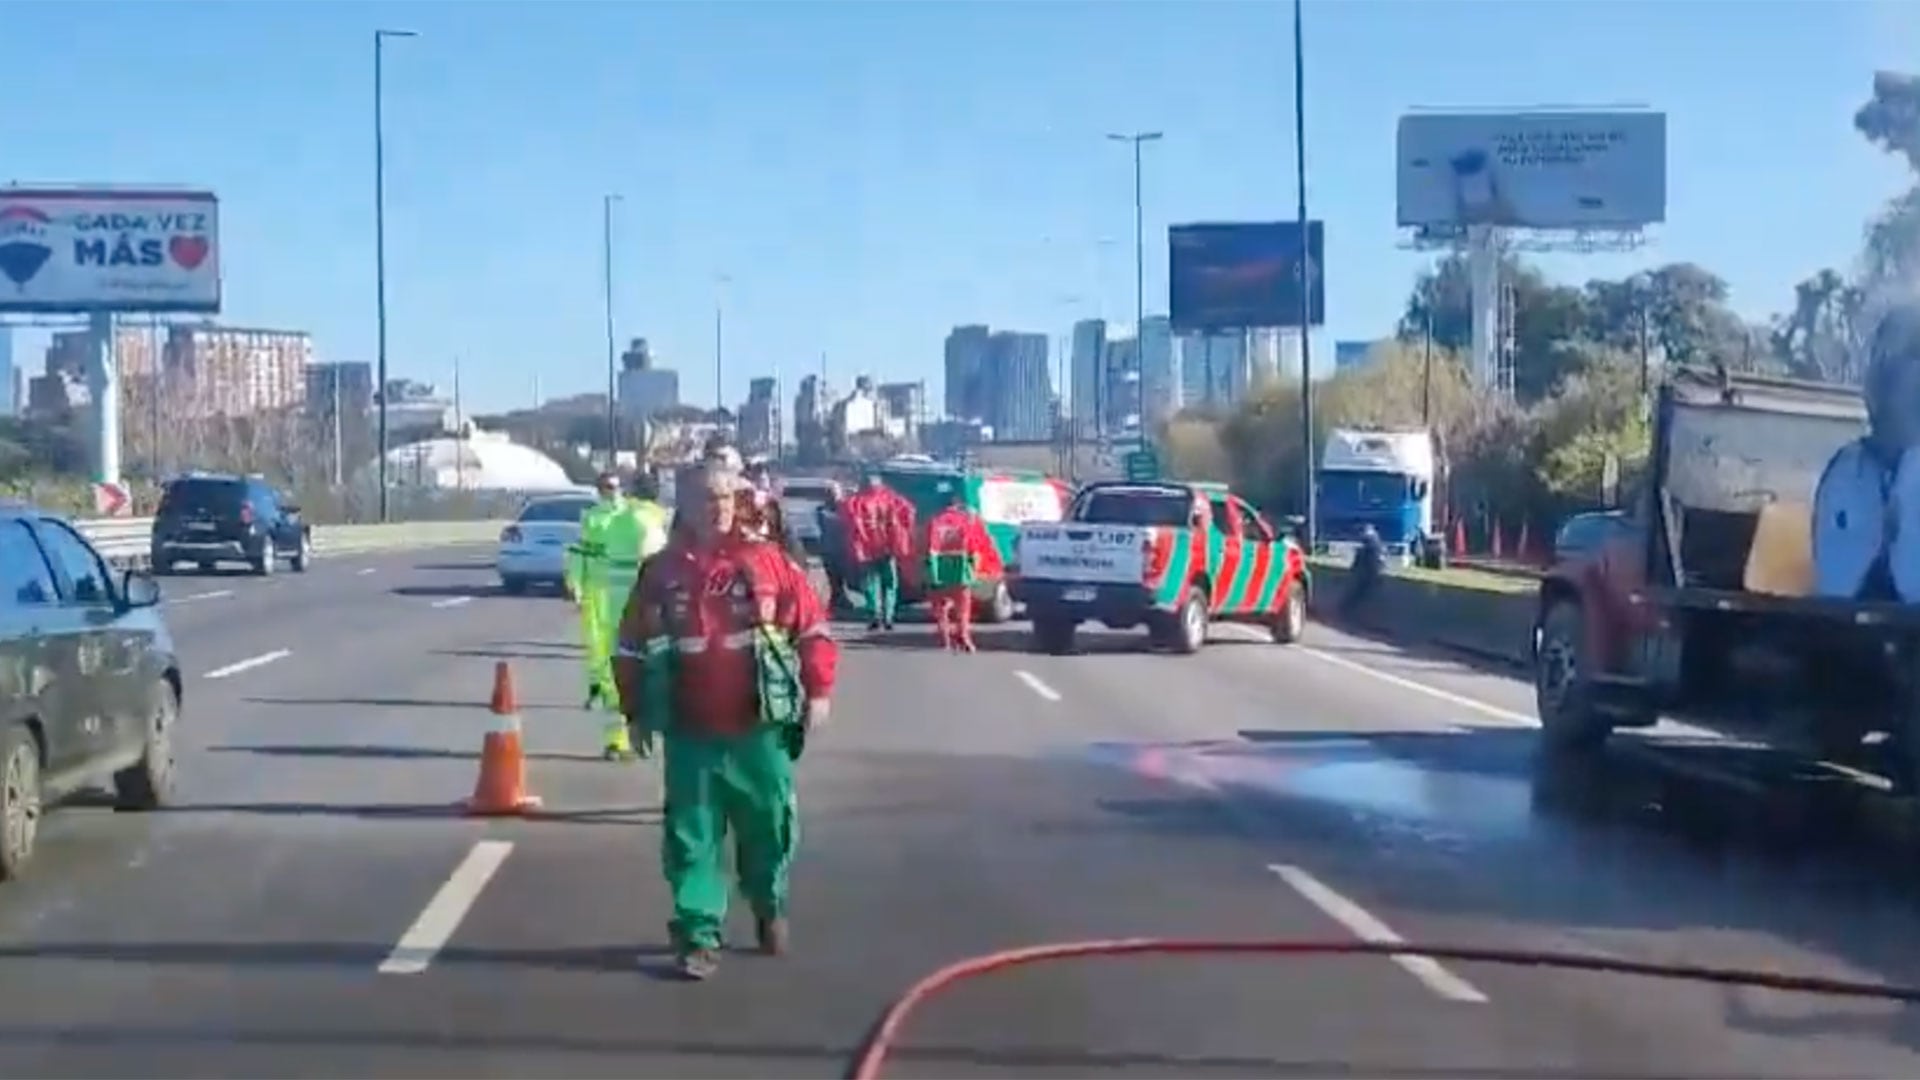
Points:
[(869, 174)]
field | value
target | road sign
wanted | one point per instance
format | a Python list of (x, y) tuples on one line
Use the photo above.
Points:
[(1142, 465), (112, 500)]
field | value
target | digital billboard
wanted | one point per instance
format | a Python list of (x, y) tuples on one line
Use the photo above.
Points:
[(1240, 275)]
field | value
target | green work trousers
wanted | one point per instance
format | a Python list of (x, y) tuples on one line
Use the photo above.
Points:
[(611, 581), (880, 582), (741, 784)]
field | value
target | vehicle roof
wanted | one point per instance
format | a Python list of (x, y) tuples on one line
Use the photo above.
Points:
[(1157, 487), (223, 478)]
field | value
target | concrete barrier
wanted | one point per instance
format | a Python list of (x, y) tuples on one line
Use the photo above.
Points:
[(1427, 608)]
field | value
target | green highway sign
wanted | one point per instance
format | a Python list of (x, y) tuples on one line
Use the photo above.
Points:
[(1142, 465)]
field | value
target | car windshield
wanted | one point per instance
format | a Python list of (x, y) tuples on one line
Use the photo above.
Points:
[(216, 496), (556, 510), (1138, 507)]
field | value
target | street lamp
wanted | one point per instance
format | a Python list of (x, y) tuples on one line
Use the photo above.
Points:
[(613, 380), (720, 282), (380, 238), (1139, 270), (1306, 271)]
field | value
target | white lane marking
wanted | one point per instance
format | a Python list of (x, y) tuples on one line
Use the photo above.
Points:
[(216, 594), (441, 917), (1667, 726), (1366, 927), (1448, 696), (366, 571), (453, 601), (1034, 684), (248, 664)]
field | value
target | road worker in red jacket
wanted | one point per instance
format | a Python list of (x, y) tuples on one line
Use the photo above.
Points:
[(724, 654), (880, 531), (959, 551)]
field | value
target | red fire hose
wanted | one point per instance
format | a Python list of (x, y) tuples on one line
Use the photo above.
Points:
[(879, 1042)]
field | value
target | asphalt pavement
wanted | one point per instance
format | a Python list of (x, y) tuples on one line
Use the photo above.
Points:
[(959, 804)]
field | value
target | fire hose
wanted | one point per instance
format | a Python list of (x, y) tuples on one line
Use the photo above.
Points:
[(885, 1033)]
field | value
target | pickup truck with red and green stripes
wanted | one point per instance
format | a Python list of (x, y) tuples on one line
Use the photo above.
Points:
[(1170, 556)]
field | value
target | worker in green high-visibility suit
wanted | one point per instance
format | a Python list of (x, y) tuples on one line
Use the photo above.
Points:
[(616, 536)]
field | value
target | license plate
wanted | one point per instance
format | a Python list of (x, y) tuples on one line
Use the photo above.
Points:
[(201, 526), (1081, 596)]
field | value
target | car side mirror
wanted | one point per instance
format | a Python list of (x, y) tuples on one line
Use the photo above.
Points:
[(138, 589)]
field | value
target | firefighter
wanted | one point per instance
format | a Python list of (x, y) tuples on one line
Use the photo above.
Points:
[(958, 552), (880, 529), (724, 654)]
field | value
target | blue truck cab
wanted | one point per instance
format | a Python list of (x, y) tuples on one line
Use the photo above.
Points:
[(1379, 478)]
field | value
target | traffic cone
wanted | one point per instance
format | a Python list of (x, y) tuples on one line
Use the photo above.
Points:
[(501, 789)]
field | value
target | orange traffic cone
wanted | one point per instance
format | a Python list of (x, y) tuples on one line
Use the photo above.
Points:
[(501, 789)]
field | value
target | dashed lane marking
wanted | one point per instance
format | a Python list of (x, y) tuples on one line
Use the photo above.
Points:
[(453, 601), (249, 664), (1363, 925), (430, 932), (1034, 684)]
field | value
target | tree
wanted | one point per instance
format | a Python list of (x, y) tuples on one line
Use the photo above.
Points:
[(1891, 121)]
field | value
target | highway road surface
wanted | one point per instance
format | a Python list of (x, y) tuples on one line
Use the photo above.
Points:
[(312, 907)]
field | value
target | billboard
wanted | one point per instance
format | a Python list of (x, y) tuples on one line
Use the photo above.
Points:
[(1540, 170), (1241, 275), (92, 249)]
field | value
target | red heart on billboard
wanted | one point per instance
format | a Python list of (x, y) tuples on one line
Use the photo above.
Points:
[(188, 251)]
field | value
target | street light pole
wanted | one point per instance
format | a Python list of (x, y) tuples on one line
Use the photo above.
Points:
[(1306, 271), (613, 381), (1139, 270), (720, 282), (380, 240)]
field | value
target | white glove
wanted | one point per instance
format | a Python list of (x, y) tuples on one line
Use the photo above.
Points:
[(817, 712)]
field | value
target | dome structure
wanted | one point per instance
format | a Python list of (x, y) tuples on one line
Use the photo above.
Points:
[(483, 461)]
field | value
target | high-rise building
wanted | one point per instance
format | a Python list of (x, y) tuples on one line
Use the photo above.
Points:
[(811, 408), (645, 389), (10, 402), (1087, 377), (906, 406), (967, 354), (1159, 368), (1214, 372), (1019, 387), (760, 417), (1123, 388), (235, 371), (346, 388)]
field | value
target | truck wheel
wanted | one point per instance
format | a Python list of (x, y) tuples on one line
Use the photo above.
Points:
[(1186, 632), (1562, 696), (1054, 636), (1291, 620), (999, 607)]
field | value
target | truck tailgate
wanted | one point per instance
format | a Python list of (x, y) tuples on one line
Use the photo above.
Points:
[(1093, 554)]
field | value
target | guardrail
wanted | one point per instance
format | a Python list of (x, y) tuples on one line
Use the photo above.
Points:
[(128, 541)]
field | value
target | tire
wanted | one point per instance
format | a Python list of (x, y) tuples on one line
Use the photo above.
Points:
[(161, 567), (264, 563), (1186, 632), (1054, 636), (1290, 622), (303, 556), (148, 783), (998, 608), (513, 586), (20, 800), (1562, 697), (204, 567)]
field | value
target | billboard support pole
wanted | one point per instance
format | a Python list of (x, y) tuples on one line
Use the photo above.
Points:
[(1483, 275), (1306, 271), (103, 383)]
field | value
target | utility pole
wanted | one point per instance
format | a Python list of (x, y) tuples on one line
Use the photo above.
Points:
[(339, 457), (720, 282), (1139, 270), (380, 240)]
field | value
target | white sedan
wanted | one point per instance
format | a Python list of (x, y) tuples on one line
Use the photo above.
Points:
[(533, 550)]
